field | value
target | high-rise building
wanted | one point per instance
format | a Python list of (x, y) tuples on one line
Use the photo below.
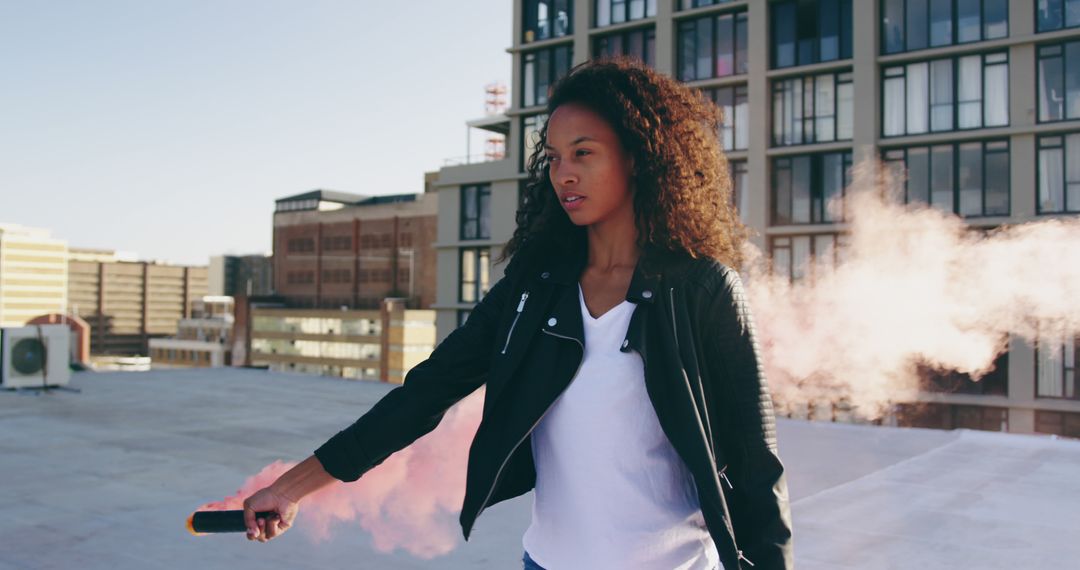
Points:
[(977, 102), (333, 249), (33, 274)]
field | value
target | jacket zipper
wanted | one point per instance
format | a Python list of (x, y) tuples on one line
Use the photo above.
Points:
[(520, 307), (725, 477), (495, 481), (675, 333)]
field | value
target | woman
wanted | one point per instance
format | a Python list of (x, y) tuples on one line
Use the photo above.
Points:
[(618, 346)]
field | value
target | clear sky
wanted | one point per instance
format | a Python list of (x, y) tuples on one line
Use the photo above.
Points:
[(168, 127)]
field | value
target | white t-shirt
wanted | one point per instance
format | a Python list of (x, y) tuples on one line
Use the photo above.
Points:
[(611, 492)]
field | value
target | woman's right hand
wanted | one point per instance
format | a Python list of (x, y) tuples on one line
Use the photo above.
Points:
[(269, 500)]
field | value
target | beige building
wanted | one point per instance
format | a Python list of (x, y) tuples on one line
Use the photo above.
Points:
[(33, 274), (128, 302), (202, 341), (378, 344), (978, 102)]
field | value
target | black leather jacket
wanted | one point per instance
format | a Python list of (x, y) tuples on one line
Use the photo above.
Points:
[(525, 340)]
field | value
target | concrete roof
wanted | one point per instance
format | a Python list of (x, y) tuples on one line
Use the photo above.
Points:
[(105, 478)]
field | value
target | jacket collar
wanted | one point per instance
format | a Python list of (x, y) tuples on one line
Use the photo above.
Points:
[(566, 270)]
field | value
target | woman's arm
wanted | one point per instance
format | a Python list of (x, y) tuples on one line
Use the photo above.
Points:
[(760, 512), (458, 366)]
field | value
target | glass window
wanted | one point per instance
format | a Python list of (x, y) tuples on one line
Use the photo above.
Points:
[(940, 24), (968, 179), (917, 34), (713, 46), (908, 25), (812, 109), (802, 186), (1056, 361), (805, 257), (739, 198), (1059, 82), (945, 94), (475, 274), (809, 31), (734, 129), (1057, 14), (540, 70), (1059, 174), (610, 12), (688, 4), (475, 212), (639, 43), (530, 137), (546, 19), (941, 95), (893, 26)]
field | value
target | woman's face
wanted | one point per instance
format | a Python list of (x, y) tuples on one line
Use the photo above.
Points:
[(587, 160)]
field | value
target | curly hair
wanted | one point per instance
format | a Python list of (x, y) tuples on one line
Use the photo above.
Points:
[(682, 188)]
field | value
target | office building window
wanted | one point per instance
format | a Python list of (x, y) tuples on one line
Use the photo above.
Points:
[(610, 12), (337, 243), (968, 179), (301, 245), (735, 130), (1053, 15), (800, 257), (809, 31), (1059, 174), (802, 187), (689, 4), (640, 43), (1065, 424), (546, 19), (947, 94), (530, 136), (540, 70), (739, 197), (1059, 82), (475, 263), (908, 25), (812, 109), (1055, 368), (713, 46), (475, 212)]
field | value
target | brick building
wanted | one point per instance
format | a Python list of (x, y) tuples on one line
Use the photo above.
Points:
[(333, 249)]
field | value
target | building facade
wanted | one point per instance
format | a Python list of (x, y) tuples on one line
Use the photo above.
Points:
[(33, 274), (381, 344), (127, 303), (977, 102), (231, 275), (202, 341), (333, 249)]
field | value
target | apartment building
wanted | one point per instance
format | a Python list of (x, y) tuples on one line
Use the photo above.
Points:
[(976, 101)]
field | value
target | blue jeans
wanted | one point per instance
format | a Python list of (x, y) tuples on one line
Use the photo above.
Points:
[(530, 564)]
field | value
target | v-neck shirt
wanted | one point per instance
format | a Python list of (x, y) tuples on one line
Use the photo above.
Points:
[(611, 491)]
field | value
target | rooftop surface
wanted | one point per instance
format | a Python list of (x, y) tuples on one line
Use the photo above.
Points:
[(105, 478)]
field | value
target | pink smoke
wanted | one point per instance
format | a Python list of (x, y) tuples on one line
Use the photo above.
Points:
[(409, 501), (913, 284)]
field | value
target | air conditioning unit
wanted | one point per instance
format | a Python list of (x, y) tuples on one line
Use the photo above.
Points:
[(35, 356)]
